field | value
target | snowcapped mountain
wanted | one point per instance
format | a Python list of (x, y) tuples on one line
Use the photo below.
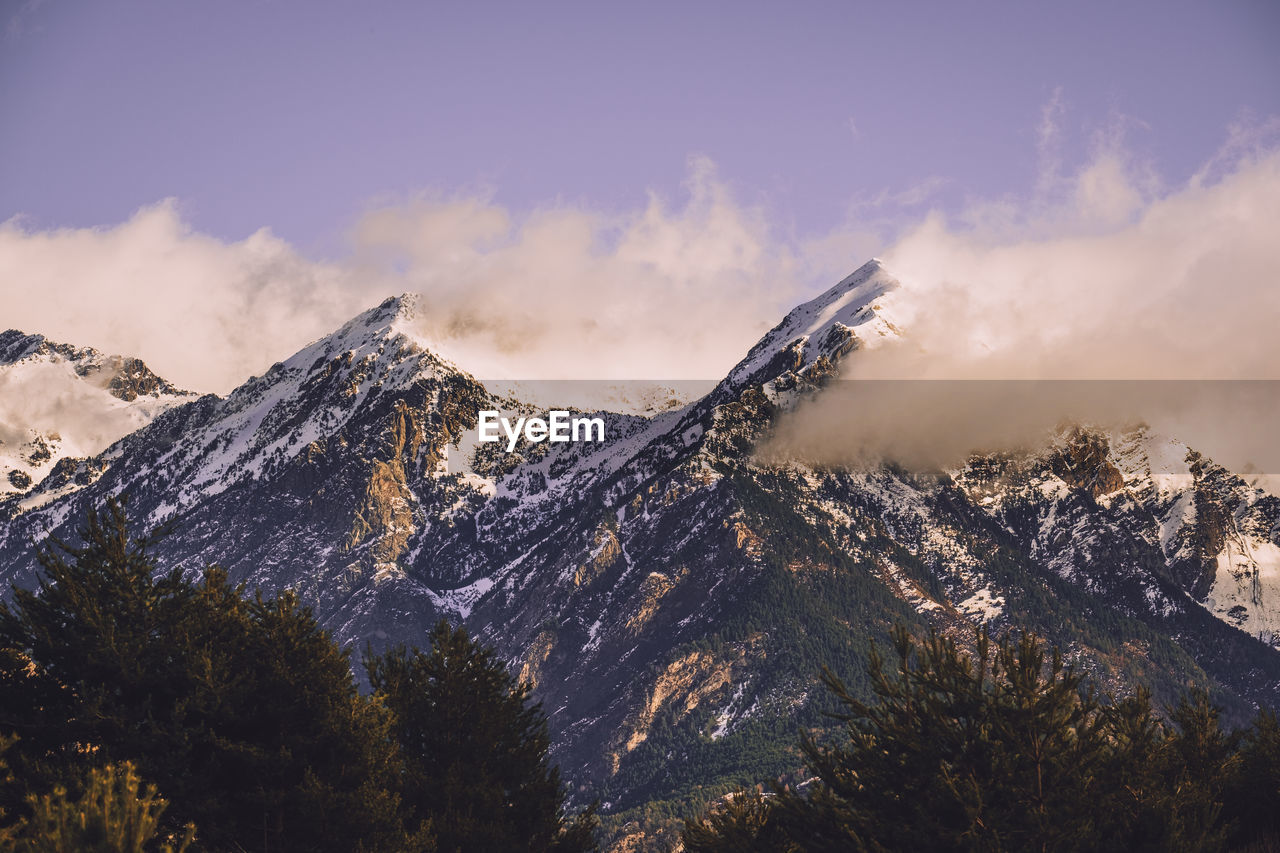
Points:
[(671, 596), (819, 333), (60, 403)]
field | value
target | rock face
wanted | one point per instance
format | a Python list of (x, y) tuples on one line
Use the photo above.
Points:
[(131, 379), (672, 597), (1084, 462)]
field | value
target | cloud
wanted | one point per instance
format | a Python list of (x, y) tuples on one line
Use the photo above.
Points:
[(19, 23), (48, 398), (934, 425), (1049, 143), (1100, 272), (1115, 281), (1103, 275), (204, 313), (665, 292)]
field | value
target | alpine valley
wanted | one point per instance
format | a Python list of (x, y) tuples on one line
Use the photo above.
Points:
[(671, 596)]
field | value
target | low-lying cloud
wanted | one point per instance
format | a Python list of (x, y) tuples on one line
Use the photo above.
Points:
[(1103, 272), (204, 313), (931, 425), (1102, 276), (665, 292), (567, 293), (1105, 278)]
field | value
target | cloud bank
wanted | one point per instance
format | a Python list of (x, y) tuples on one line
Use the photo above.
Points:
[(566, 293), (1185, 285), (665, 292), (1104, 278), (203, 313), (1100, 272)]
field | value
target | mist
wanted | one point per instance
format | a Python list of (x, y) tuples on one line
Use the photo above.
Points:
[(1105, 300)]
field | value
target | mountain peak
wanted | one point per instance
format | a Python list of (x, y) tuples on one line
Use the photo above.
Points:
[(358, 377), (124, 377), (845, 302), (16, 345), (62, 402), (391, 316), (832, 324), (402, 307), (392, 321)]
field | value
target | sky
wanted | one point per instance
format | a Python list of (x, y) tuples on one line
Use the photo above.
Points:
[(206, 185)]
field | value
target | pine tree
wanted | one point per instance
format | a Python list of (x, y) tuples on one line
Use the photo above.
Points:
[(1004, 749), (243, 711), (1199, 758), (80, 648), (474, 749), (993, 751), (745, 821), (8, 782), (1137, 813), (114, 814), (1252, 795)]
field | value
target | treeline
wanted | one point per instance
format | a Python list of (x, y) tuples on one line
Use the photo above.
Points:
[(141, 711), (1007, 749)]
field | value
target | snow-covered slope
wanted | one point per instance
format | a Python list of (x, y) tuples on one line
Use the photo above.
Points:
[(845, 317), (61, 402), (268, 421)]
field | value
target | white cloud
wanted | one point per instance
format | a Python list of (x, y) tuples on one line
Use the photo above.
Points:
[(1102, 272), (1108, 276), (665, 292), (203, 313), (1114, 281), (1049, 143)]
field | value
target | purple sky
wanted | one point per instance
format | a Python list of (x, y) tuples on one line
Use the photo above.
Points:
[(301, 115)]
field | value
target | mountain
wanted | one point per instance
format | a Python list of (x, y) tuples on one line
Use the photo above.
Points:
[(671, 596), (60, 404)]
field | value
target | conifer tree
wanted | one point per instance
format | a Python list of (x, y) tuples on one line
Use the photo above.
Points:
[(1252, 796), (114, 814), (8, 828), (1007, 749), (994, 751), (1198, 760), (243, 711), (474, 749), (745, 821)]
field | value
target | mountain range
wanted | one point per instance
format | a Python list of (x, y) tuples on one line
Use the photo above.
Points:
[(671, 595)]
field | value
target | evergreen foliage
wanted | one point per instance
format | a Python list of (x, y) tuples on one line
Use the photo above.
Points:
[(241, 709), (474, 749), (1252, 801), (115, 814), (247, 715), (745, 821), (1007, 749), (8, 829)]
